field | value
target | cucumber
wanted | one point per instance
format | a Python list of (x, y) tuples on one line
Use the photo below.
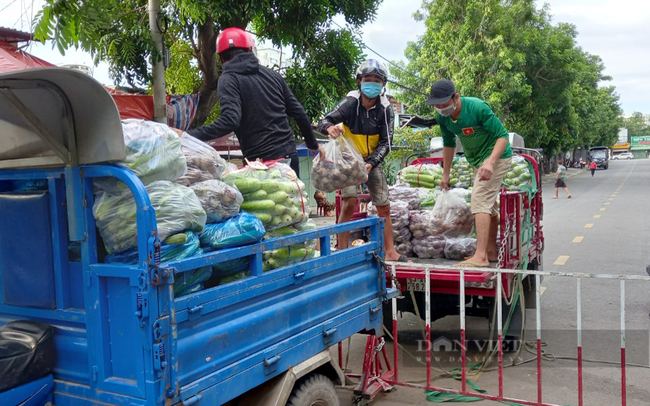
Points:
[(276, 221), (264, 217), (248, 185), (257, 195), (176, 239), (270, 186), (258, 205), (287, 219), (278, 197), (293, 211), (288, 188), (279, 209)]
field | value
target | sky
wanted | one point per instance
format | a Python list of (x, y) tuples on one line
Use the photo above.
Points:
[(616, 30)]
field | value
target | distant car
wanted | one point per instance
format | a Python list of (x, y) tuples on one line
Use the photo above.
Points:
[(624, 155)]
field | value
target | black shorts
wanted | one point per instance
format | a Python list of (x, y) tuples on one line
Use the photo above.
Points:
[(560, 183)]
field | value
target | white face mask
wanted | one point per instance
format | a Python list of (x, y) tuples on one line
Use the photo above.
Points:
[(447, 111)]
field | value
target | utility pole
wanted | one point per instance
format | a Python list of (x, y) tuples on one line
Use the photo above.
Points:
[(159, 94)]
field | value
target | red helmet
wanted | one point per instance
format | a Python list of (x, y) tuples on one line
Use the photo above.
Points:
[(234, 37)]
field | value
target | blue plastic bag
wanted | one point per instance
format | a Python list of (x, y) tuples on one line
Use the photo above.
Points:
[(244, 229), (186, 282)]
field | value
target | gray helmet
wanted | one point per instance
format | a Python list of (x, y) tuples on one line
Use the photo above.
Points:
[(372, 67)]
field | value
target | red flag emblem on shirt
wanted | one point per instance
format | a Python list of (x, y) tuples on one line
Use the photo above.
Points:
[(468, 131)]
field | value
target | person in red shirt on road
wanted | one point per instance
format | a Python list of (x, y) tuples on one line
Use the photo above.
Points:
[(592, 166)]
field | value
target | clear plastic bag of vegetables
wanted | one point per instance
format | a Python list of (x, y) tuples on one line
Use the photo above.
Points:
[(177, 209), (424, 175), (422, 224), (429, 247), (404, 248), (519, 175), (463, 172), (428, 198), (220, 201), (399, 214), (175, 247), (405, 193), (203, 161), (153, 152), (452, 216), (272, 192), (342, 166), (460, 248), (291, 254), (243, 229)]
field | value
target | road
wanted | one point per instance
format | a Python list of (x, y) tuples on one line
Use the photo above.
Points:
[(602, 229)]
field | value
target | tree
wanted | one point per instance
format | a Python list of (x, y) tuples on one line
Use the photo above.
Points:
[(117, 32), (531, 72), (636, 124)]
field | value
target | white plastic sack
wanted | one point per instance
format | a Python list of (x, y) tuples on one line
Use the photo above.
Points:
[(203, 161), (219, 200), (451, 216)]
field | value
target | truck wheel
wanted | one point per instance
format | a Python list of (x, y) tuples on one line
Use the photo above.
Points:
[(314, 390)]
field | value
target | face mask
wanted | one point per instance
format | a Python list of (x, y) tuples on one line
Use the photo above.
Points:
[(446, 111), (371, 89)]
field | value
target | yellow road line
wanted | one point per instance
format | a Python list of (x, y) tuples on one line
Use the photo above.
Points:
[(589, 225), (578, 238), (603, 208), (607, 203), (561, 260), (597, 216), (542, 289)]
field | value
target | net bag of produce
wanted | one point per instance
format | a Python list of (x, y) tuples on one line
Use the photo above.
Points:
[(452, 216), (203, 161), (220, 201), (519, 175), (272, 192), (153, 152), (175, 247), (291, 254), (244, 229), (429, 247), (424, 175), (177, 209), (460, 248), (342, 166)]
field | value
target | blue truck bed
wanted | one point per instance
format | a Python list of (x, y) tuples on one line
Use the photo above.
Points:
[(121, 336)]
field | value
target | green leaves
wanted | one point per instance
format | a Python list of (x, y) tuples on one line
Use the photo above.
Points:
[(532, 73)]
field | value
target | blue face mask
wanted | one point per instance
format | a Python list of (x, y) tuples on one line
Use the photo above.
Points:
[(371, 89)]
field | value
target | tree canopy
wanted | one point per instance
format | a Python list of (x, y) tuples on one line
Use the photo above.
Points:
[(531, 72), (117, 32), (636, 124)]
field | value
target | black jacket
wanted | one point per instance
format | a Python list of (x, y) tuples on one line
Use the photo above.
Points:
[(255, 102), (371, 131)]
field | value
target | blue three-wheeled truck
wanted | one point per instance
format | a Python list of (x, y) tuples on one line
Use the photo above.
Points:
[(77, 331)]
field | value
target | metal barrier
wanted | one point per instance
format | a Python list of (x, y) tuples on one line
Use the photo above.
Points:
[(376, 378)]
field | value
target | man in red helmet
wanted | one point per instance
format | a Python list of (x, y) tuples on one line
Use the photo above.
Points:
[(255, 102)]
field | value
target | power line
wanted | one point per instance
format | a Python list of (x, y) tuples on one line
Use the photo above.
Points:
[(8, 5), (382, 57)]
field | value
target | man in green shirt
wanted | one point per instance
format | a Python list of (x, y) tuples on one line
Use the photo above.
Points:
[(560, 181), (487, 148)]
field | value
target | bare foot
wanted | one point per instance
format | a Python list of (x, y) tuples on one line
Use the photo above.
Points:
[(475, 262)]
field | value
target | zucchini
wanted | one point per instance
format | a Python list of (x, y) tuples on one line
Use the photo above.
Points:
[(176, 239)]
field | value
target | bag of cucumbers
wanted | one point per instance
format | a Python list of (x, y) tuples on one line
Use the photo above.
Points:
[(272, 192), (291, 254)]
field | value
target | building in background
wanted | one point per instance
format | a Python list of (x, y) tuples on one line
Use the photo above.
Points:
[(640, 146), (81, 67), (274, 58)]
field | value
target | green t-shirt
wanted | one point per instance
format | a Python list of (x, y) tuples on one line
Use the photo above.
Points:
[(478, 129), (561, 171)]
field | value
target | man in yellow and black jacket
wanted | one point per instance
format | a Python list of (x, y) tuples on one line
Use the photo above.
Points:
[(367, 122)]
